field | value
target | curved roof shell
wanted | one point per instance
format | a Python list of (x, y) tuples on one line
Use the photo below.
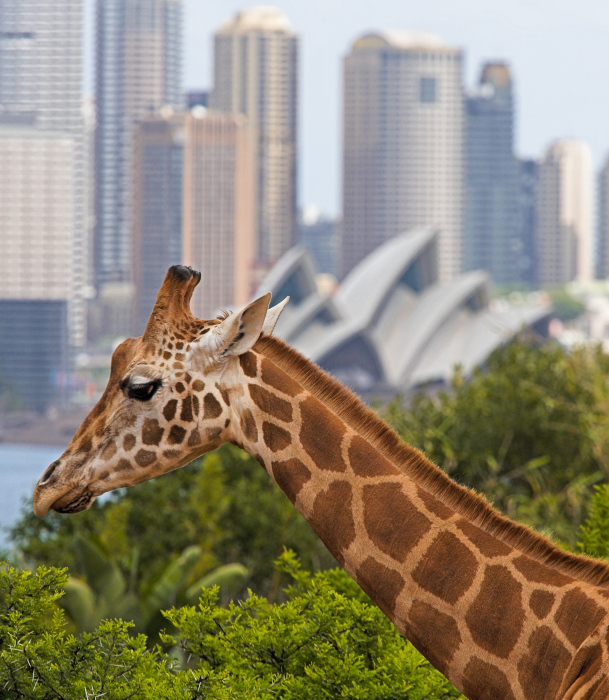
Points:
[(391, 325)]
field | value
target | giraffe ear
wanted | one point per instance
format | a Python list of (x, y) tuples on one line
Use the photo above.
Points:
[(272, 316), (238, 332)]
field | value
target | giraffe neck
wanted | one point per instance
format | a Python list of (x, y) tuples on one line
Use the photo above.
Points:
[(494, 607)]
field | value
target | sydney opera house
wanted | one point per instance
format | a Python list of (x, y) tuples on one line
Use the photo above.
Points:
[(391, 326)]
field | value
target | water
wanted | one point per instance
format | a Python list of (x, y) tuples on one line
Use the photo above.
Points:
[(20, 468)]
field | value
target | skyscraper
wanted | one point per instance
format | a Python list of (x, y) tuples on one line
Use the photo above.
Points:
[(218, 211), (194, 204), (43, 246), (491, 232), (256, 74), (564, 214), (158, 201), (403, 145), (603, 223), (41, 63), (137, 72)]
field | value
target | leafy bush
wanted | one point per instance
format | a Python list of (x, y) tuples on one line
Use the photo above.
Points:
[(40, 660), (326, 641)]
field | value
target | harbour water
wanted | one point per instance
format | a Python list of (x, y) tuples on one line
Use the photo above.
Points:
[(20, 468)]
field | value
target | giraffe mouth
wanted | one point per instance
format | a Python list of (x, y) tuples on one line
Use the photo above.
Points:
[(75, 501)]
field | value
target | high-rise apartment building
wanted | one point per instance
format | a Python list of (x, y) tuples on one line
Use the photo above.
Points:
[(491, 232), (403, 145), (43, 242), (41, 63), (564, 214), (194, 204), (137, 72), (528, 171), (256, 74), (158, 201), (603, 223), (218, 212)]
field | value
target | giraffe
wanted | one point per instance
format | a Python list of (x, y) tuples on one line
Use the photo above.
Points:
[(498, 609)]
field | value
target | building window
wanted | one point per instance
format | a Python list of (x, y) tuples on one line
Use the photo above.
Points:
[(427, 90)]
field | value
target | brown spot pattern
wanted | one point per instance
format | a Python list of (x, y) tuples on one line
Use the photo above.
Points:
[(198, 385), (487, 544), (211, 407), (109, 451), (496, 616), (485, 681), (128, 442), (144, 458), (152, 433), (366, 461), (213, 433), (194, 438), (540, 573), (448, 583), (392, 522), (124, 465), (290, 476), (176, 435), (180, 388), (541, 669), (169, 411), (269, 403), (195, 404), (86, 444), (379, 580), (321, 435), (278, 379), (186, 412), (433, 633), (332, 518), (434, 505), (248, 364), (541, 603), (276, 438), (577, 616), (248, 426), (171, 454), (224, 394), (166, 355)]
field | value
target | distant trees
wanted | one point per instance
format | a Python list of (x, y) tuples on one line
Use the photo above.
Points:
[(530, 430)]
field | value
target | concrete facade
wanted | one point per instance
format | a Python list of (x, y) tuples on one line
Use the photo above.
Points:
[(564, 224), (256, 74), (403, 145)]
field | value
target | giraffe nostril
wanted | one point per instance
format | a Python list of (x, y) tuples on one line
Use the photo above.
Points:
[(49, 472)]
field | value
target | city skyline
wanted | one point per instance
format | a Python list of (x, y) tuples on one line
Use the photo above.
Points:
[(556, 53)]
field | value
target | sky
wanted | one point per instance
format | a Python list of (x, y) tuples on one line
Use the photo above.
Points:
[(558, 51)]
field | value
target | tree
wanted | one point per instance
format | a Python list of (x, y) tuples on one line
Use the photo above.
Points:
[(530, 430)]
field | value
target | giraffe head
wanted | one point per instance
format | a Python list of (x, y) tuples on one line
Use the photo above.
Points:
[(166, 401)]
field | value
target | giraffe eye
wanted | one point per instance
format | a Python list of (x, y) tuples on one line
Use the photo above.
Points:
[(143, 392)]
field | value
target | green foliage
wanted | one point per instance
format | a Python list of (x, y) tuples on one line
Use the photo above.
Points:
[(594, 533), (326, 641), (565, 305), (40, 660), (530, 431), (106, 593)]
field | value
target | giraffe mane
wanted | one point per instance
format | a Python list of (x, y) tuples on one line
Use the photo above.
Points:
[(464, 501)]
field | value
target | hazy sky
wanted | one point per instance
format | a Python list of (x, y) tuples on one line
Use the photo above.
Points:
[(558, 50)]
